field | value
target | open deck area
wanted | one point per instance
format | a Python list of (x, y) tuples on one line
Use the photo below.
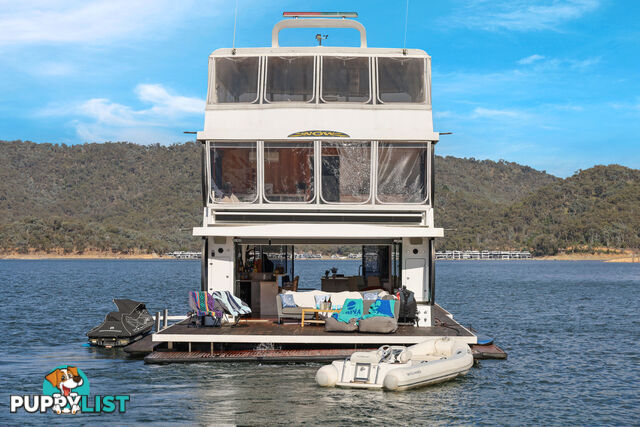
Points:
[(270, 332)]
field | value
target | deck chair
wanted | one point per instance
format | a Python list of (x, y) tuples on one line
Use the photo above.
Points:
[(204, 309), (232, 305)]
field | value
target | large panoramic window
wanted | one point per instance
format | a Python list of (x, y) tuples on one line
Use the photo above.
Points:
[(346, 172), (236, 79), (288, 172), (234, 172), (401, 80), (345, 79), (289, 79), (402, 173)]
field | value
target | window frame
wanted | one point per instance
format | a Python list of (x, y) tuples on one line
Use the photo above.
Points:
[(210, 146), (371, 172), (314, 94), (321, 100), (315, 182), (213, 98), (427, 92), (428, 168)]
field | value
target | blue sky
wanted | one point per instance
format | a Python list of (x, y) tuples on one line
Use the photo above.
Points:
[(550, 84)]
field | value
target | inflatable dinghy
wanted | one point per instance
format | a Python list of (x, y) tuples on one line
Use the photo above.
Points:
[(399, 368), (130, 323)]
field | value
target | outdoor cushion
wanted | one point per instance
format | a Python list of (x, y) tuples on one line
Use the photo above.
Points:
[(333, 325), (305, 299), (367, 296), (292, 310), (287, 301), (378, 324), (352, 308)]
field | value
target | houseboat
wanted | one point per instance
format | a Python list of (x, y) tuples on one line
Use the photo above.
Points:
[(315, 145)]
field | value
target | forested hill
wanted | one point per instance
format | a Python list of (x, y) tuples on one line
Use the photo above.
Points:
[(124, 197)]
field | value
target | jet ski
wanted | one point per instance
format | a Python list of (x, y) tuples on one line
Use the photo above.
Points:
[(130, 323)]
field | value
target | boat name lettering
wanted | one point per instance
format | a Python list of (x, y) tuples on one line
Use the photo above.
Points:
[(325, 133)]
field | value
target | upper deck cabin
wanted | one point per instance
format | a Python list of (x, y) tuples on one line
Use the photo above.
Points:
[(330, 130)]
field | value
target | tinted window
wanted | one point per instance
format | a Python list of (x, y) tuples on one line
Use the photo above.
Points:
[(402, 173), (236, 79), (289, 79), (345, 79), (288, 172), (346, 169), (233, 172), (401, 79)]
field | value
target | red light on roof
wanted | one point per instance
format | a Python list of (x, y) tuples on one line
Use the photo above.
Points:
[(320, 14)]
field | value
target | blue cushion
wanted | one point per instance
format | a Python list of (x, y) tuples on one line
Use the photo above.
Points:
[(287, 301)]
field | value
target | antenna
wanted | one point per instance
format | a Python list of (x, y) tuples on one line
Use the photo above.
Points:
[(406, 21), (320, 37), (235, 20)]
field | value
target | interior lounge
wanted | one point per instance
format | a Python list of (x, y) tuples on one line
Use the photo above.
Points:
[(263, 271)]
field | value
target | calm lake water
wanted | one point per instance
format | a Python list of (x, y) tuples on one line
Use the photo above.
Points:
[(571, 330)]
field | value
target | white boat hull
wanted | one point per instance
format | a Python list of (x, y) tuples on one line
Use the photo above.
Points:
[(399, 368)]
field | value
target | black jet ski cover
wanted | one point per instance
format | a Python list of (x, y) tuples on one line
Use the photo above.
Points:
[(131, 319)]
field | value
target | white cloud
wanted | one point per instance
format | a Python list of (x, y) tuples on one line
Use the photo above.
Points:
[(480, 112), (530, 59), (100, 119), (76, 21), (166, 104), (585, 63), (51, 69), (443, 114), (522, 15)]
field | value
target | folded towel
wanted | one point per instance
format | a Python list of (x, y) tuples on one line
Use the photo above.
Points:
[(232, 304)]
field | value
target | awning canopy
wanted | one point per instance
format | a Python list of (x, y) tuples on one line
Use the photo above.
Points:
[(314, 231)]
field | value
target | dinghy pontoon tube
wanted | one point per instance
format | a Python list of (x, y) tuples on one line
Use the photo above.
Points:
[(131, 322), (398, 367)]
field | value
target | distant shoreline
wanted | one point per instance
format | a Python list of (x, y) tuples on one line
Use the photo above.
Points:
[(87, 255), (625, 257)]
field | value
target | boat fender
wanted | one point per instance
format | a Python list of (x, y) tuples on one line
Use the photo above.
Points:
[(327, 376)]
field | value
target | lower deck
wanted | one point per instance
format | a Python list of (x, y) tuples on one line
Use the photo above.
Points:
[(264, 340), (265, 331)]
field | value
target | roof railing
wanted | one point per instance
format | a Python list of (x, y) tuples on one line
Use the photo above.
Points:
[(318, 20)]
